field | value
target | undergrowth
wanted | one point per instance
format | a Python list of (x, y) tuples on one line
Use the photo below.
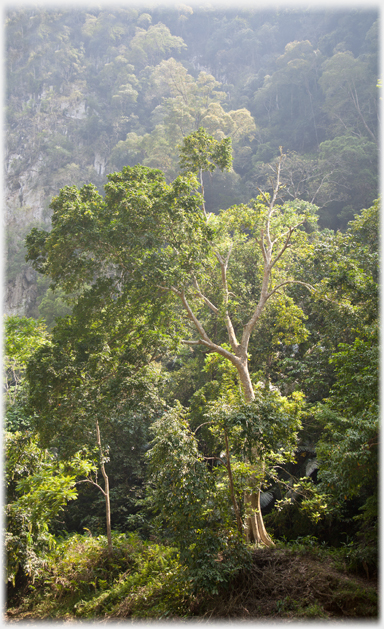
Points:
[(143, 579), (79, 579)]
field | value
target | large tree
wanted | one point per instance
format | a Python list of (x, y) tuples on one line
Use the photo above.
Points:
[(202, 278)]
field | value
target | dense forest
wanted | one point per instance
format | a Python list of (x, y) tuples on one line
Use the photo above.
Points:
[(191, 329)]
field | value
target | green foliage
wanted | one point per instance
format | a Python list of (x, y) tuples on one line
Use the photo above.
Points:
[(348, 448), (153, 44), (88, 374), (147, 238), (201, 152), (138, 230), (101, 91), (341, 78), (142, 579), (23, 336), (141, 264), (193, 511), (352, 161), (344, 270), (52, 303), (263, 437), (268, 425), (38, 488), (96, 370)]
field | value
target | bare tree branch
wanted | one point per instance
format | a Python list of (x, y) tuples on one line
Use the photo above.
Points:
[(290, 230), (220, 350), (192, 316), (264, 196), (308, 286), (228, 321), (355, 100), (262, 246), (247, 331), (89, 480), (215, 458), (284, 247), (205, 299), (204, 424)]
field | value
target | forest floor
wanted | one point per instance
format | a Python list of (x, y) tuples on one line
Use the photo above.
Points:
[(281, 584)]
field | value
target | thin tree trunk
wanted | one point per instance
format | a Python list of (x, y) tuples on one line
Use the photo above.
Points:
[(202, 190), (106, 492)]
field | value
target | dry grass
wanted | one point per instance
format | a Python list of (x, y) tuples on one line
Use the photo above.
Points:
[(291, 585)]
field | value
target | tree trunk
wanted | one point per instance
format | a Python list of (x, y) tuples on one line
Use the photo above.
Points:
[(106, 492), (242, 370), (255, 528), (108, 511), (231, 488)]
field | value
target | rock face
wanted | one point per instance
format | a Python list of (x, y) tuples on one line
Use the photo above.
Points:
[(62, 122), (21, 293), (35, 172), (26, 203), (24, 208)]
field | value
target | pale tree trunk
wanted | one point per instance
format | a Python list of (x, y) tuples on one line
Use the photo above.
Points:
[(246, 384), (255, 528), (231, 488), (105, 492)]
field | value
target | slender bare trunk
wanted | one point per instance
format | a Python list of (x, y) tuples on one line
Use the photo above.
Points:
[(106, 492)]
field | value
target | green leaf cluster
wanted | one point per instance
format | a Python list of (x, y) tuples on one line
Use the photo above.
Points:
[(38, 488)]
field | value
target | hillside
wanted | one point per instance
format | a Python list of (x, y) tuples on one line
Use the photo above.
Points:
[(89, 91)]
